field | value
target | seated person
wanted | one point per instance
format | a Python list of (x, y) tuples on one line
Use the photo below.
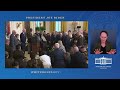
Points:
[(34, 62), (103, 46), (18, 54), (45, 59), (16, 64), (8, 61)]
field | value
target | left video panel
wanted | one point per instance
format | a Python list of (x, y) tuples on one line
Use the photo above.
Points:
[(46, 44)]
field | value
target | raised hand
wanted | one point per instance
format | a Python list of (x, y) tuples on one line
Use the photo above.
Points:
[(97, 51), (112, 51)]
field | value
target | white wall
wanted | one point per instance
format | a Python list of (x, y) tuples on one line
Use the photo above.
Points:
[(13, 27), (32, 25), (47, 27), (70, 27)]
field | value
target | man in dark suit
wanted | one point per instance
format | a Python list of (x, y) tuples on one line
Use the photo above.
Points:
[(78, 59), (53, 38), (12, 40), (58, 57), (80, 38), (23, 39), (12, 43), (67, 41), (30, 41)]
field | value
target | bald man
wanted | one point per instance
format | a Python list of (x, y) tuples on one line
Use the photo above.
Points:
[(76, 49)]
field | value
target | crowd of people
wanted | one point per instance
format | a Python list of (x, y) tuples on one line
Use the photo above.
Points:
[(47, 50)]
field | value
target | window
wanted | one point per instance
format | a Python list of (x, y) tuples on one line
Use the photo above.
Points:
[(37, 23), (58, 26)]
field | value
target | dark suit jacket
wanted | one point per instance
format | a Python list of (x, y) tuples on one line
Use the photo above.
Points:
[(80, 40), (36, 38), (67, 42), (58, 58), (78, 61), (13, 42), (53, 39), (29, 37), (23, 37)]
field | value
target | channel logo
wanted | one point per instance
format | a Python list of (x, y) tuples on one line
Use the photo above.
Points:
[(103, 61)]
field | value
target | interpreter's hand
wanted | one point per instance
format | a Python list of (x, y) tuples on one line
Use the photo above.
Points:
[(112, 51), (97, 51)]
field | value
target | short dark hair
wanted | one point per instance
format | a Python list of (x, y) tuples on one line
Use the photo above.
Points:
[(18, 46), (31, 29), (44, 53), (104, 32), (69, 30), (32, 55), (17, 35), (15, 63)]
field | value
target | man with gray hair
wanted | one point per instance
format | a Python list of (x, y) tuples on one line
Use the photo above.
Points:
[(12, 43), (57, 57)]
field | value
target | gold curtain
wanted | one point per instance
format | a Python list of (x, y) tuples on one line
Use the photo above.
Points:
[(64, 26), (52, 26), (44, 24), (85, 25)]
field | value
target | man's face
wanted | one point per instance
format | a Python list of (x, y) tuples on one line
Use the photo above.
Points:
[(14, 32), (81, 31), (24, 30), (103, 37), (37, 31)]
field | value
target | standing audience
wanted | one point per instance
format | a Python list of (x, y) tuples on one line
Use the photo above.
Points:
[(56, 50)]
